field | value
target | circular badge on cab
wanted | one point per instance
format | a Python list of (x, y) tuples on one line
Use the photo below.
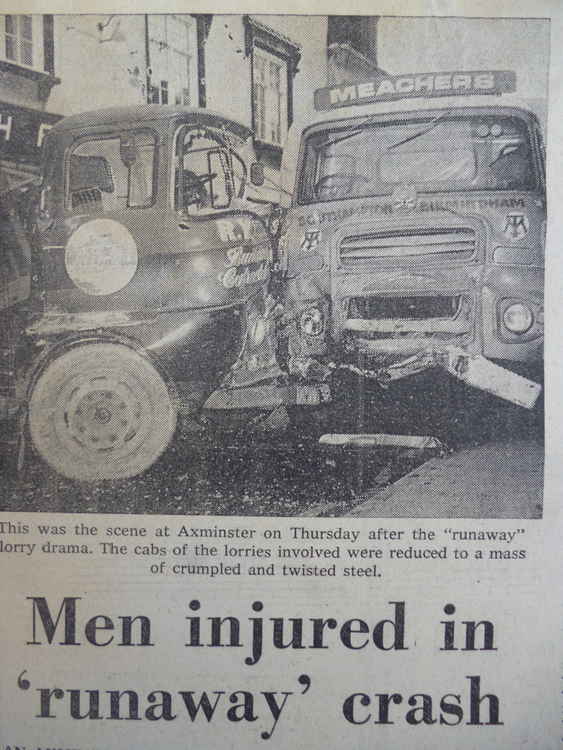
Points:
[(101, 257)]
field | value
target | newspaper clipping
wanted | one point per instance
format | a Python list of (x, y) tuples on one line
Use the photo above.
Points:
[(279, 439)]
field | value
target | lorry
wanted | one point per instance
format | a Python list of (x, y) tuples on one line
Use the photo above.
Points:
[(415, 236), (145, 281), (135, 290)]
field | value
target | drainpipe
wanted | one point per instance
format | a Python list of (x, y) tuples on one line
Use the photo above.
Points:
[(203, 24), (147, 60)]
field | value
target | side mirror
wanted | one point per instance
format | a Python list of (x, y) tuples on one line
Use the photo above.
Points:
[(257, 174), (128, 150)]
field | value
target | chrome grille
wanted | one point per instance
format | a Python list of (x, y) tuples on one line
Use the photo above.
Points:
[(443, 242)]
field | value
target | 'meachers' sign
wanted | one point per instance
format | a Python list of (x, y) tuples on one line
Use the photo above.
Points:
[(22, 131), (385, 88)]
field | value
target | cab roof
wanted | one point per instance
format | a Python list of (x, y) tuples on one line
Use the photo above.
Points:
[(139, 113), (430, 107)]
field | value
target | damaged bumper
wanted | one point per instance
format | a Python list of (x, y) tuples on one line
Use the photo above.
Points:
[(472, 369), (480, 372), (313, 389)]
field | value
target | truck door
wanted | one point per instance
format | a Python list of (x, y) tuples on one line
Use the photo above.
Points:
[(15, 251)]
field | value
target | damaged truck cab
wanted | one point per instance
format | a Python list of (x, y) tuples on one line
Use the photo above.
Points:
[(415, 238), (141, 283), (149, 268)]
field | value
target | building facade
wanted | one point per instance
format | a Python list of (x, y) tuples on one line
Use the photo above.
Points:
[(259, 70), (27, 77)]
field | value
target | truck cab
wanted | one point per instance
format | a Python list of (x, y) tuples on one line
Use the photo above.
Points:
[(415, 236), (142, 287)]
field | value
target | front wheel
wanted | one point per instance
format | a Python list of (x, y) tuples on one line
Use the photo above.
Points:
[(101, 411)]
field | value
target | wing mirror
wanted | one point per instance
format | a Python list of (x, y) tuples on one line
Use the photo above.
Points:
[(257, 174), (128, 150)]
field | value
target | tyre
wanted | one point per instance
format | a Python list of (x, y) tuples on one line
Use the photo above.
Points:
[(101, 411)]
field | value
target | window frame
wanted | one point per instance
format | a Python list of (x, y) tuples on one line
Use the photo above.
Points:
[(36, 41), (181, 129), (113, 135), (283, 94), (288, 53), (43, 69), (182, 84)]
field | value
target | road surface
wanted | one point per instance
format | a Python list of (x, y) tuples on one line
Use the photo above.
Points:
[(492, 467)]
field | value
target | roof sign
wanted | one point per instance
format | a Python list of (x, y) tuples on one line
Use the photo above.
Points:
[(386, 88)]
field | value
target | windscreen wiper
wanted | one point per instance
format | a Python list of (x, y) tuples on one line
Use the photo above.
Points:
[(361, 126), (350, 134), (431, 125)]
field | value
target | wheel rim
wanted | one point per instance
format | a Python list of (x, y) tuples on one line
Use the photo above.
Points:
[(101, 412), (104, 415)]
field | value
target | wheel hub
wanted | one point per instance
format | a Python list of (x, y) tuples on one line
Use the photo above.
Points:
[(102, 415), (103, 419)]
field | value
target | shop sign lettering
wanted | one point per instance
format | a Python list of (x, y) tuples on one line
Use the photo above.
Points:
[(22, 131)]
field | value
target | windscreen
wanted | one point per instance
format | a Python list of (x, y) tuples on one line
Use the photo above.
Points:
[(433, 154)]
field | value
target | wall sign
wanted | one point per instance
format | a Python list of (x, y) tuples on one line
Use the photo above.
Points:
[(22, 131)]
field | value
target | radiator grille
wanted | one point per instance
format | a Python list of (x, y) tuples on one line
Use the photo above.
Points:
[(443, 242), (406, 308)]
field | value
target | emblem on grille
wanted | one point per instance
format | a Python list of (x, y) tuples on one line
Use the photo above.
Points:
[(310, 241), (516, 226), (404, 198)]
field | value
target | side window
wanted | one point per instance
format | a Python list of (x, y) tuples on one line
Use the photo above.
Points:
[(203, 172), (111, 174)]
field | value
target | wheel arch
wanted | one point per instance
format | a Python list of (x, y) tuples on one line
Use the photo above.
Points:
[(59, 346)]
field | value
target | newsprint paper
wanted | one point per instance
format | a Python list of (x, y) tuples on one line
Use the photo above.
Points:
[(280, 431)]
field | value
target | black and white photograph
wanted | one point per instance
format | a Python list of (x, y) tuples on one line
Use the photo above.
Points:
[(273, 265), (281, 444)]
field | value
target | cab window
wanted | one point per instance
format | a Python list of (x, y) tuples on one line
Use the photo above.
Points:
[(111, 174), (439, 153), (208, 174)]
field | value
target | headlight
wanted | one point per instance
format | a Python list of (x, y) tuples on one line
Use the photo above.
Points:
[(312, 322), (518, 318)]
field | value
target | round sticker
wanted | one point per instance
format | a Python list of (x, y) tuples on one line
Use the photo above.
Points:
[(101, 257)]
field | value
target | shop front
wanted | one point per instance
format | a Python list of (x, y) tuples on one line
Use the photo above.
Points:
[(22, 130)]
